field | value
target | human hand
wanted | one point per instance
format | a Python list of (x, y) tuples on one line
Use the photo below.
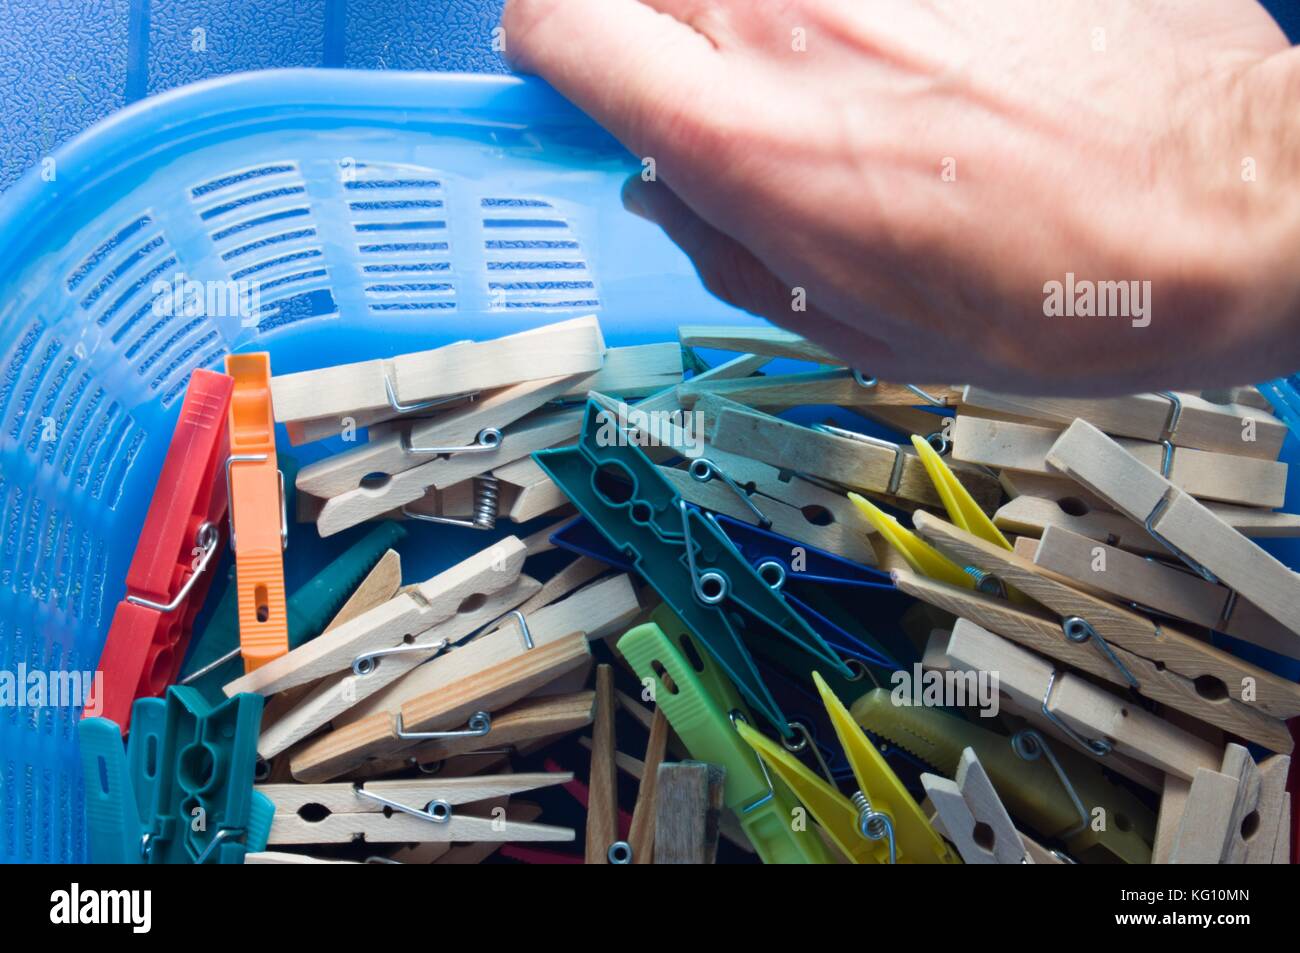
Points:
[(920, 170)]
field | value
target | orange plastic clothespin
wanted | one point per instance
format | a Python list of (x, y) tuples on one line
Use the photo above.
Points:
[(259, 527)]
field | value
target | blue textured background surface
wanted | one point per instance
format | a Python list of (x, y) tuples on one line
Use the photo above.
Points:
[(66, 63)]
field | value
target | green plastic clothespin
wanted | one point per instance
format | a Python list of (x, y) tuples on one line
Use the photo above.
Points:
[(700, 703), (182, 789), (684, 555)]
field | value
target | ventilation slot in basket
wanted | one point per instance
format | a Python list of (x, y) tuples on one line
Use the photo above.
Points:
[(398, 217), (534, 262), (261, 222)]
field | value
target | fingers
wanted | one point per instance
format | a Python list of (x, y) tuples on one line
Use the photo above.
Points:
[(639, 73), (733, 273)]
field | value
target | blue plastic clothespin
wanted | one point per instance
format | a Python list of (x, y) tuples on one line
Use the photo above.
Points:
[(772, 556), (684, 554), (181, 791), (1284, 395)]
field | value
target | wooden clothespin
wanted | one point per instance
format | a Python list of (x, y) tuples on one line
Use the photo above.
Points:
[(1046, 634), (410, 811), (1031, 515), (1185, 527), (464, 707), (690, 800), (837, 388), (549, 717), (372, 671), (403, 444), (1093, 718), (418, 382), (853, 461), (973, 817), (535, 432), (645, 813), (603, 845), (1214, 807), (1184, 420), (1224, 477), (1153, 585), (1153, 658), (494, 670), (757, 339)]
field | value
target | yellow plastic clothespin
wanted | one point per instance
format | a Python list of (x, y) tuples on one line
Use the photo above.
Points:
[(962, 509), (920, 555), (881, 823)]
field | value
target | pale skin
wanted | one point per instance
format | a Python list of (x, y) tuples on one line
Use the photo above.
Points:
[(921, 169)]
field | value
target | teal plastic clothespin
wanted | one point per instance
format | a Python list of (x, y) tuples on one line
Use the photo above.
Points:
[(182, 789), (310, 609), (684, 555)]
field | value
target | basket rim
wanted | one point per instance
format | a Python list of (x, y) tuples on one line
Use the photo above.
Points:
[(123, 138)]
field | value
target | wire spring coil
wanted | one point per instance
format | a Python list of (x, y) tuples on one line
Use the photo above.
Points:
[(487, 491), (873, 824)]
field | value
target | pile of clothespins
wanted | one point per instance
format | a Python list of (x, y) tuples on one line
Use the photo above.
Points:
[(1019, 636)]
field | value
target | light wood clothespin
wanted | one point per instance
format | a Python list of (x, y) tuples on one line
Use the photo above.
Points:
[(690, 800), (532, 718), (973, 816), (1113, 629), (410, 612), (498, 668), (416, 382), (535, 432), (838, 388), (758, 339), (374, 670), (1183, 526), (1093, 718), (1185, 420), (855, 462), (1153, 585), (602, 845), (1046, 634), (1223, 477), (627, 371), (410, 811), (463, 706), (403, 445), (1216, 802), (1031, 515)]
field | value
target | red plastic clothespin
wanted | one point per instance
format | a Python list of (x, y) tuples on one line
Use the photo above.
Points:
[(179, 545)]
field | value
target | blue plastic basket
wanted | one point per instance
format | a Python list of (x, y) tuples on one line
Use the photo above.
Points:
[(322, 185)]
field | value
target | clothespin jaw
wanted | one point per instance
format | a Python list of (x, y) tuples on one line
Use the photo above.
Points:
[(259, 520), (961, 506), (179, 546), (682, 553), (917, 840), (920, 555)]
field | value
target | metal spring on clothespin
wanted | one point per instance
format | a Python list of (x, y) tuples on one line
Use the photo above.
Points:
[(873, 824), (487, 493)]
